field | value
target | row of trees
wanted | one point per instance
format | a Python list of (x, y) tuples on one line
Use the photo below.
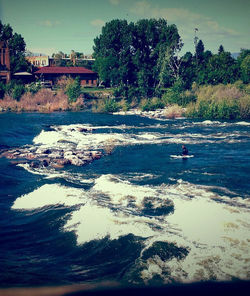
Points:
[(206, 68), (146, 56)]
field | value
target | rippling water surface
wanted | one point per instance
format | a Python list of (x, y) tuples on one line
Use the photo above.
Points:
[(138, 215)]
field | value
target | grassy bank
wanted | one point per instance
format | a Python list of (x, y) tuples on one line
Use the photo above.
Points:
[(231, 101)]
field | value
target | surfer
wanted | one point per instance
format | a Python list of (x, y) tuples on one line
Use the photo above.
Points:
[(184, 150)]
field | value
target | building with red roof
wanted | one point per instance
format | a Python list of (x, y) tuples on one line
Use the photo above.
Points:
[(86, 76)]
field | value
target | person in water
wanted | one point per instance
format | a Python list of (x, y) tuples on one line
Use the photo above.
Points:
[(184, 150)]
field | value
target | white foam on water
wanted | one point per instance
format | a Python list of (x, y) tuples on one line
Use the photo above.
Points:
[(215, 229), (209, 122), (47, 138), (243, 123), (48, 195), (70, 137), (122, 192), (92, 222), (181, 156)]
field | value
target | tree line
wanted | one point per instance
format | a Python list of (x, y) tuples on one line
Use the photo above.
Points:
[(144, 57)]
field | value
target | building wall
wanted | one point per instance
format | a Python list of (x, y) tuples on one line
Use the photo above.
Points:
[(4, 62), (90, 82), (85, 79), (39, 61)]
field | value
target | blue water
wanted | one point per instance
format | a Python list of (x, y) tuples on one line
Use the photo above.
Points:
[(127, 216)]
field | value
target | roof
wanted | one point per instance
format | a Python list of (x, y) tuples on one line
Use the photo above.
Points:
[(64, 70), (22, 74)]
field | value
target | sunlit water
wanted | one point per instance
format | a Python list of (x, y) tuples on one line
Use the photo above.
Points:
[(139, 215)]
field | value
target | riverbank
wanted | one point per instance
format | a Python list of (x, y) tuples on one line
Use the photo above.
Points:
[(217, 102)]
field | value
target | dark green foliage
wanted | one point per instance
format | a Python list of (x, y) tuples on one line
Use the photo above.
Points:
[(33, 87), (176, 95), (127, 55), (14, 89), (18, 91), (243, 61), (216, 110), (110, 105), (16, 45), (188, 70), (73, 90), (199, 51), (2, 90), (221, 49), (222, 68)]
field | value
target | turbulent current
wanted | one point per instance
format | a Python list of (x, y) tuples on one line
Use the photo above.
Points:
[(140, 214)]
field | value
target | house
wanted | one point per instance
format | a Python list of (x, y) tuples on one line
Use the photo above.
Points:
[(38, 61), (4, 62), (87, 77)]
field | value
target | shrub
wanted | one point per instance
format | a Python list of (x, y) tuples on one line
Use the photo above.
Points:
[(63, 81), (33, 87), (230, 101), (17, 91), (124, 105), (110, 105), (151, 104), (105, 106), (174, 111), (73, 90), (145, 105), (244, 107)]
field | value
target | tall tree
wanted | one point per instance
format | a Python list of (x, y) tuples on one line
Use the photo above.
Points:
[(187, 70), (199, 51), (17, 48), (134, 54), (243, 61), (221, 49), (222, 68), (112, 51)]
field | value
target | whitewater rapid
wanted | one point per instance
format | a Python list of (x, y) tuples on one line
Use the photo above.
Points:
[(210, 230)]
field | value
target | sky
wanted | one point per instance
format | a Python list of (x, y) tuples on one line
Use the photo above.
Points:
[(49, 26)]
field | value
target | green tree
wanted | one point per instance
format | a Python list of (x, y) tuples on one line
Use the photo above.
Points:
[(134, 54), (73, 90), (221, 49), (59, 59), (243, 61), (199, 51), (112, 51), (17, 46), (188, 70), (222, 68)]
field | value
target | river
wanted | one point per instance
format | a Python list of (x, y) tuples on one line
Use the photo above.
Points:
[(140, 215)]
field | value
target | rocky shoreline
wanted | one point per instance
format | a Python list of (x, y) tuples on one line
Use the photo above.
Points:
[(161, 114), (38, 156), (44, 157)]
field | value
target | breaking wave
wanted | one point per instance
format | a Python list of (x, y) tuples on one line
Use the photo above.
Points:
[(190, 233)]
